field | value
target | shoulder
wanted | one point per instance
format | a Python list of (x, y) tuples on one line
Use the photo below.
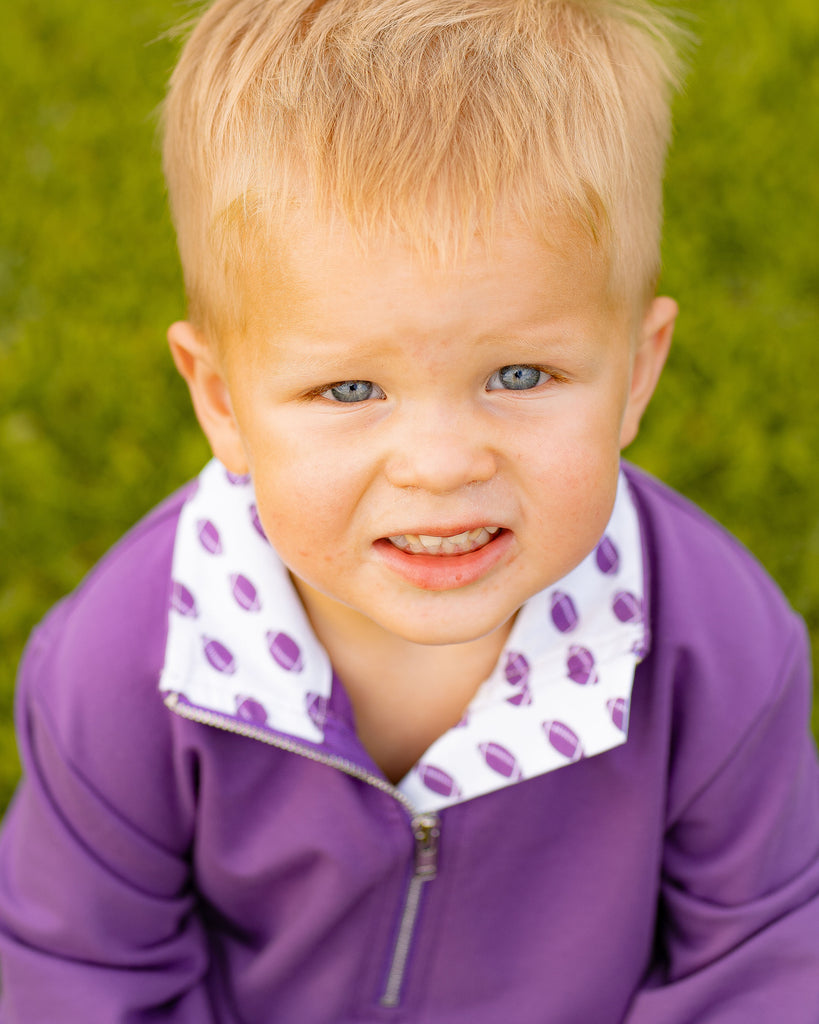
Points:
[(88, 682), (115, 621), (728, 653)]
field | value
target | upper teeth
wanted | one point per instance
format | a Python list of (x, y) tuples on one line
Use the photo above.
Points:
[(422, 544)]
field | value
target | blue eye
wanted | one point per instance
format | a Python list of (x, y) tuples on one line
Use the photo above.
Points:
[(516, 377), (353, 391)]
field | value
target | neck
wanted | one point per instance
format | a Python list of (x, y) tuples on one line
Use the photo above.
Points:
[(404, 695)]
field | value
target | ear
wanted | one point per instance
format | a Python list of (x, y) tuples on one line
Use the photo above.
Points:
[(652, 349), (198, 363)]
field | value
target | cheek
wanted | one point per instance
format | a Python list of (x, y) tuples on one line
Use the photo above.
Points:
[(573, 483), (579, 495), (572, 450), (305, 506)]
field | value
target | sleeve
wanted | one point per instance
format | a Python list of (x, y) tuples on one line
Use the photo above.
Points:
[(738, 937), (98, 917)]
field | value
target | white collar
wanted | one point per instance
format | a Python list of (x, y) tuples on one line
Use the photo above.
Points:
[(240, 644)]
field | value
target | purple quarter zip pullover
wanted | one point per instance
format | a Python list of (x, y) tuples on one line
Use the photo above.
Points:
[(164, 863)]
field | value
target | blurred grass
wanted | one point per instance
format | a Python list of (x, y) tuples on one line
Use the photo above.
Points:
[(95, 427)]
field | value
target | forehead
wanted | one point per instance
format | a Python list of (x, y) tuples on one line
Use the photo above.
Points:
[(320, 276)]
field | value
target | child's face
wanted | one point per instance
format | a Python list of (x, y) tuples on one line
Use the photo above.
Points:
[(375, 400)]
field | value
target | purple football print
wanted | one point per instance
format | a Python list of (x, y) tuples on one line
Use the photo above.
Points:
[(564, 613), (237, 479), (209, 537), (317, 708), (522, 699), (285, 651), (251, 710), (464, 722), (437, 780), (618, 709), (183, 601), (516, 669), (607, 557), (563, 740), (245, 593), (219, 656), (580, 666), (501, 761), (257, 523), (627, 607)]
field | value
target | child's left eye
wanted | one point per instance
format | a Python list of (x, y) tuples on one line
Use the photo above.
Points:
[(352, 391), (516, 377)]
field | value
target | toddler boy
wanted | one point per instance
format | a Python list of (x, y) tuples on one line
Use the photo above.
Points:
[(418, 705)]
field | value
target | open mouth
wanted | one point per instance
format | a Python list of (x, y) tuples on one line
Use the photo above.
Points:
[(459, 544), (434, 562)]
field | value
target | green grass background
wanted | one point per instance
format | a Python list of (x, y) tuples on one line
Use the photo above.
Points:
[(95, 427)]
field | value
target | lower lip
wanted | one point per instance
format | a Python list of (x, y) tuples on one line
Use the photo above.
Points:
[(444, 572)]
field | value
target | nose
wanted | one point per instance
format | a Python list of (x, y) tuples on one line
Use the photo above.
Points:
[(440, 453)]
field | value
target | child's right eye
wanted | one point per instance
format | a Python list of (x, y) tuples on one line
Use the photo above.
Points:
[(352, 391)]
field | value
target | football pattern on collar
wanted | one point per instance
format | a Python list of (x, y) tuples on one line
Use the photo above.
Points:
[(240, 645)]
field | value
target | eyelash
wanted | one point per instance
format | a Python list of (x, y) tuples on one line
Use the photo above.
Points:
[(321, 392), (550, 375)]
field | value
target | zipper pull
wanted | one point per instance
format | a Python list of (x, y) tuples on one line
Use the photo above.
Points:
[(427, 830)]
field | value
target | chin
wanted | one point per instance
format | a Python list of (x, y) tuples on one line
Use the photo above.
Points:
[(441, 631)]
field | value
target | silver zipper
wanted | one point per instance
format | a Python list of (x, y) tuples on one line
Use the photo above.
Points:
[(425, 827), (427, 830)]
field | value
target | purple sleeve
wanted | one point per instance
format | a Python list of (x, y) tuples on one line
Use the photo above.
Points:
[(97, 916), (738, 938)]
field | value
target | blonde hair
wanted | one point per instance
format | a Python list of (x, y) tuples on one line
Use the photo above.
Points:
[(421, 117)]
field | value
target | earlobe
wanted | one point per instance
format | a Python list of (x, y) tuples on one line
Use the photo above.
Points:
[(655, 341), (198, 364)]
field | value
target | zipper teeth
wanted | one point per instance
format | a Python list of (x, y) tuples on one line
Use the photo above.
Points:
[(226, 724), (395, 979)]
